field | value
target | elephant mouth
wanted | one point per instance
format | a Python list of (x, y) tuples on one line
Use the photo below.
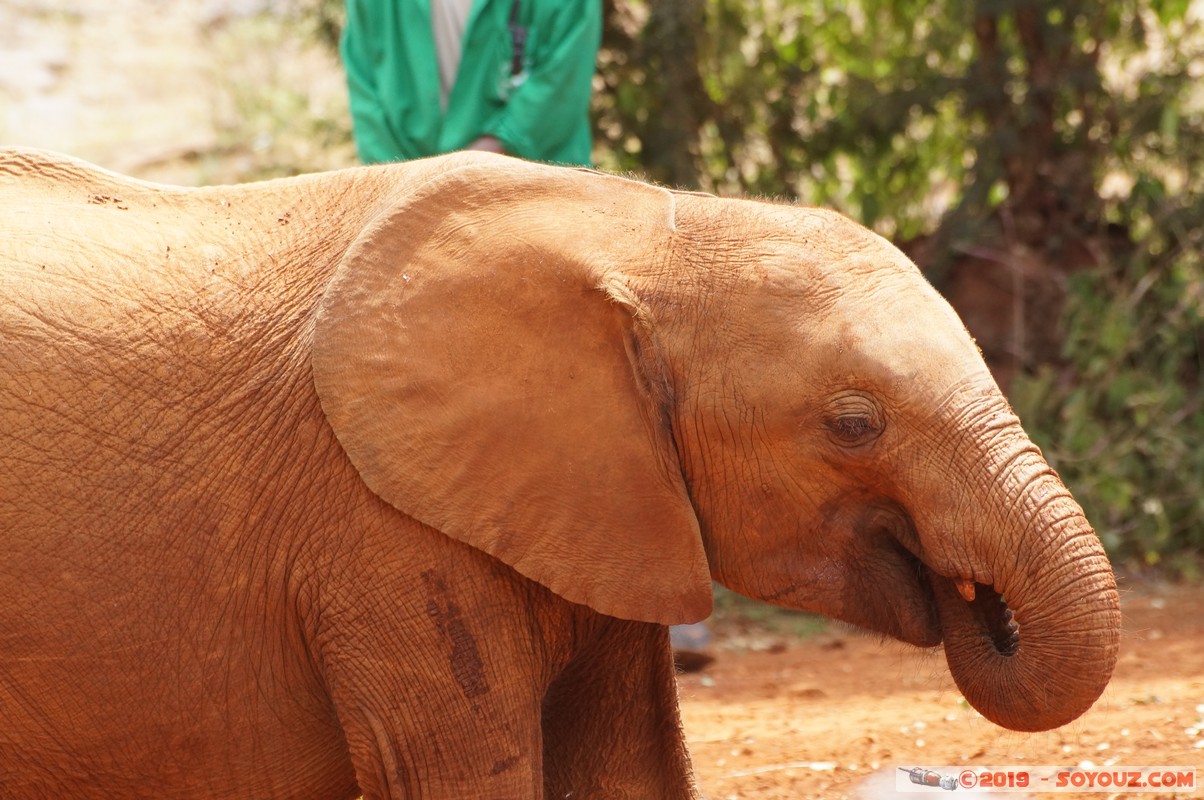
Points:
[(990, 614), (977, 610), (902, 595), (951, 605)]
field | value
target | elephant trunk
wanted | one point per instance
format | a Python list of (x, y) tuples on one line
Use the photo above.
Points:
[(1035, 647)]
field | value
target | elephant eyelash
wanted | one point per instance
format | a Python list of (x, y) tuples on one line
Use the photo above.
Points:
[(854, 429), (854, 418)]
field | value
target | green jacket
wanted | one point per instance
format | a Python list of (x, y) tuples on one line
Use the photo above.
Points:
[(389, 54)]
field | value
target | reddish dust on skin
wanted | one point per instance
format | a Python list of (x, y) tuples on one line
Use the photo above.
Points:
[(828, 716)]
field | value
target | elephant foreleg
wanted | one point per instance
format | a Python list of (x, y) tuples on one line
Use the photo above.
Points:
[(431, 676), (611, 726)]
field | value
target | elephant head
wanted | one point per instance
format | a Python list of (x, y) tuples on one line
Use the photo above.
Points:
[(623, 392)]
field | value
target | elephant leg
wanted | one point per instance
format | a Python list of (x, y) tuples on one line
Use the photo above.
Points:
[(437, 719), (611, 726), (440, 758), (431, 673)]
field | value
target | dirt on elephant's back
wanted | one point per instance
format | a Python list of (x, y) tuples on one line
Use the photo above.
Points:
[(835, 716)]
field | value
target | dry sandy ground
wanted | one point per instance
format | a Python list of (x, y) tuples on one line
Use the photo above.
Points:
[(107, 80), (834, 716), (185, 93)]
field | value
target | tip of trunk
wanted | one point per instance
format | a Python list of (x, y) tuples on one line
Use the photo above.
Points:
[(1037, 664)]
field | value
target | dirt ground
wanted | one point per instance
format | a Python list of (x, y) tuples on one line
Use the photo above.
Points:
[(835, 715)]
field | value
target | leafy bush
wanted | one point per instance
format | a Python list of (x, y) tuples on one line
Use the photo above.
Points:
[(1122, 417)]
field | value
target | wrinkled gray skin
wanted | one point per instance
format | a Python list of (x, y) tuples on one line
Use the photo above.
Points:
[(388, 480)]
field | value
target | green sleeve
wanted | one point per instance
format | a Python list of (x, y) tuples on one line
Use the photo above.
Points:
[(388, 53), (547, 117), (369, 124)]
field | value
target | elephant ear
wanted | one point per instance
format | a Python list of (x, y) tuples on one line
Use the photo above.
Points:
[(479, 358)]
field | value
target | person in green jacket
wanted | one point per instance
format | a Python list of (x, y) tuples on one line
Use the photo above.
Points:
[(433, 76)]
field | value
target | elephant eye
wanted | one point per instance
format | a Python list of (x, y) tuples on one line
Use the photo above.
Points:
[(854, 419), (851, 428)]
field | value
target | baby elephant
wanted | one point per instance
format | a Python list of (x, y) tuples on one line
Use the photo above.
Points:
[(388, 481)]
